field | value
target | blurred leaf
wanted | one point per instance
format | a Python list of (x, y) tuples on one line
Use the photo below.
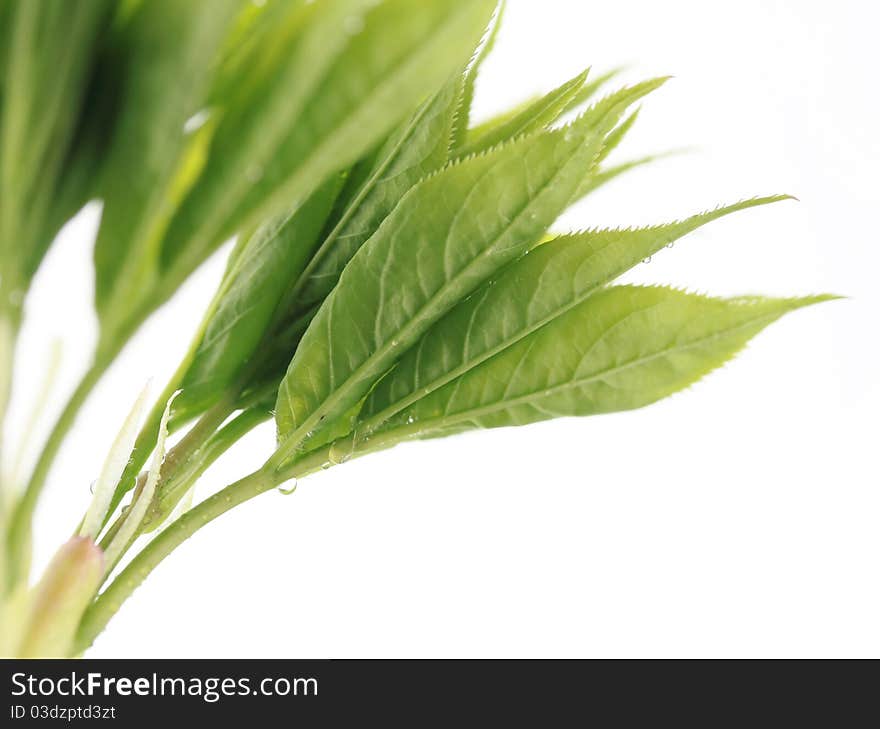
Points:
[(171, 50), (335, 96), (42, 95)]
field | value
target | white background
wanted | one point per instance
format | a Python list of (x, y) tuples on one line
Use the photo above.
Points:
[(739, 518)]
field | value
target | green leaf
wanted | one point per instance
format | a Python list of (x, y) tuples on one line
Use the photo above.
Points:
[(248, 301), (585, 94), (468, 84), (171, 48), (590, 90), (614, 139), (546, 283), (621, 349), (418, 149), (603, 175), (449, 234), (537, 115), (336, 95)]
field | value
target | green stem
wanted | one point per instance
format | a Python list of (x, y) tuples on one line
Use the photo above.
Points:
[(20, 522), (109, 601), (268, 477)]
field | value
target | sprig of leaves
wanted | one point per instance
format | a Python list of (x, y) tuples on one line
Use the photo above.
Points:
[(396, 276)]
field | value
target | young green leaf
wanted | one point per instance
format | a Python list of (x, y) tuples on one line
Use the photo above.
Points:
[(622, 348), (539, 114), (587, 92), (603, 175), (418, 149), (546, 283), (449, 234), (590, 89), (614, 139), (468, 82)]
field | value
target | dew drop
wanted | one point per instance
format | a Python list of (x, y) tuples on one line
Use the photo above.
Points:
[(648, 259), (670, 245), (288, 488), (92, 486), (325, 465), (339, 453)]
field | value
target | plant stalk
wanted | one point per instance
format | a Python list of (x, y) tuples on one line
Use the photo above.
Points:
[(109, 601)]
